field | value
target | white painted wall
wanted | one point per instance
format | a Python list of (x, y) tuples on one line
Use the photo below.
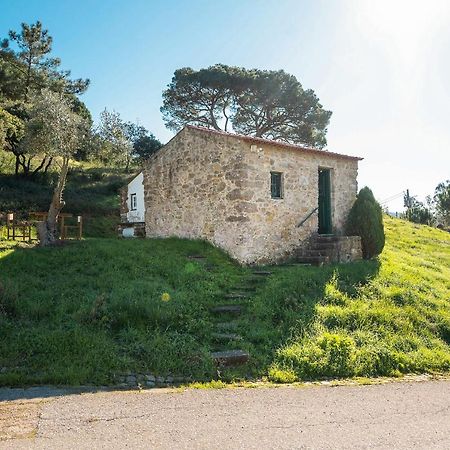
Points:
[(136, 186)]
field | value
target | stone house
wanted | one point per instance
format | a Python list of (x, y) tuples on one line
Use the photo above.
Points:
[(262, 201)]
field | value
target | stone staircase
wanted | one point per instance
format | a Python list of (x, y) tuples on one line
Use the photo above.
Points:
[(327, 248), (226, 336)]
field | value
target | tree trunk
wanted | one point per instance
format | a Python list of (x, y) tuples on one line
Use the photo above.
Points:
[(48, 164), (40, 166), (47, 230), (17, 165)]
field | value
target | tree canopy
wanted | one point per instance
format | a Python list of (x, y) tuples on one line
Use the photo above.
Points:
[(442, 202), (145, 146), (261, 103), (27, 68)]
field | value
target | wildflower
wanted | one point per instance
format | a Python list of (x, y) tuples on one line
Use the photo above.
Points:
[(165, 297)]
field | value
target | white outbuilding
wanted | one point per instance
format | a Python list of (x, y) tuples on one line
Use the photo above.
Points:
[(133, 206)]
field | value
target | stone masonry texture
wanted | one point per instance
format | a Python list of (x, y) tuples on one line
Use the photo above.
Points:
[(216, 186)]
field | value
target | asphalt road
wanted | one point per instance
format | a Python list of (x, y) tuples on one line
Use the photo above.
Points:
[(394, 415)]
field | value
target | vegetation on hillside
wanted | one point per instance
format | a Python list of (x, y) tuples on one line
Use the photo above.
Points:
[(90, 191), (435, 211), (85, 312)]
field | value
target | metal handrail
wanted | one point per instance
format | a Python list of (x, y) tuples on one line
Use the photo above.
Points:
[(307, 217)]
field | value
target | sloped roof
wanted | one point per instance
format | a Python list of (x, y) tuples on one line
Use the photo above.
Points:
[(262, 141)]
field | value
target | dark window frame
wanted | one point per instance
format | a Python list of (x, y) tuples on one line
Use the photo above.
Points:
[(133, 202), (276, 185)]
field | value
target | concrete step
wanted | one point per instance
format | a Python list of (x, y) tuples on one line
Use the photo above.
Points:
[(230, 357), (298, 264), (196, 257), (226, 337), (323, 245), (227, 309), (317, 252), (236, 295), (313, 260), (246, 287), (222, 326), (326, 238)]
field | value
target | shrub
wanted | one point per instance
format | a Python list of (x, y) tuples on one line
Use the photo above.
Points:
[(366, 220)]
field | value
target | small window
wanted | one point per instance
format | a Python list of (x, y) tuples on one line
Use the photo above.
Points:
[(276, 188), (133, 202)]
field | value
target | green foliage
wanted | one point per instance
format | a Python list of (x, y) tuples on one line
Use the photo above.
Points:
[(122, 144), (35, 66), (27, 74), (11, 127), (53, 129), (145, 146), (262, 103), (416, 211), (366, 220), (442, 201), (90, 191)]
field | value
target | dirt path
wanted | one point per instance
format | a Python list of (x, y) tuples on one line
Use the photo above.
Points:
[(395, 415)]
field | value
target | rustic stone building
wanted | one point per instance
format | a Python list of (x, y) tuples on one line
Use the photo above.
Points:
[(259, 200)]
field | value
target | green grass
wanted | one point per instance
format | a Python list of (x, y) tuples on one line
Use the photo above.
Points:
[(368, 318), (90, 310)]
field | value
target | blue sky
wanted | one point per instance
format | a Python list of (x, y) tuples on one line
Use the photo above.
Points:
[(382, 67)]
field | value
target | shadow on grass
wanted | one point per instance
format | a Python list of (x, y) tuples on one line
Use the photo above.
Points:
[(285, 307)]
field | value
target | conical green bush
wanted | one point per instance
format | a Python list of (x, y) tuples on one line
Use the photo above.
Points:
[(366, 220)]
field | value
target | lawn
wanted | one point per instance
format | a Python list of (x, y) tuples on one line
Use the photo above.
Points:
[(88, 311)]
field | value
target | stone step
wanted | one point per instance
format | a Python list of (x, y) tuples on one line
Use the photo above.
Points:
[(236, 295), (226, 337), (317, 252), (227, 309), (326, 238), (263, 273), (196, 257), (227, 325), (230, 357), (313, 260), (323, 245), (246, 287), (298, 264)]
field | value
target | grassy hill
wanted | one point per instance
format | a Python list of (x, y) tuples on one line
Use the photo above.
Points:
[(87, 311)]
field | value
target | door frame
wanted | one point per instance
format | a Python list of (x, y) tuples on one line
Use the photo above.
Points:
[(325, 215)]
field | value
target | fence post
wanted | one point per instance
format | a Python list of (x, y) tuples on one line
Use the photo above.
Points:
[(80, 227)]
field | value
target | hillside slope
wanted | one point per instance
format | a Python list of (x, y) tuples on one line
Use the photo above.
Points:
[(88, 311), (90, 191)]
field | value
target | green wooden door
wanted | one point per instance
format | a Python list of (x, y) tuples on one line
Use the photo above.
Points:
[(325, 226)]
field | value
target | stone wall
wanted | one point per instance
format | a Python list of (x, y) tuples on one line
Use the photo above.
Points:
[(216, 187), (348, 249), (123, 204)]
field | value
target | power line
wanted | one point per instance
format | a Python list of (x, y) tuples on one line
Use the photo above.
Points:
[(393, 197)]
